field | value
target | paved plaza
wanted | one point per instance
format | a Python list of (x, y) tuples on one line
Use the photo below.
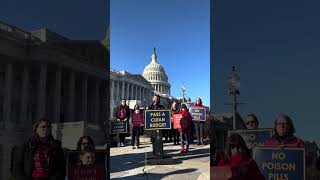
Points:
[(128, 163)]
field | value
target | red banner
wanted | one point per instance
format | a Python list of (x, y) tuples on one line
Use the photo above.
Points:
[(176, 121), (136, 119), (86, 172), (220, 173)]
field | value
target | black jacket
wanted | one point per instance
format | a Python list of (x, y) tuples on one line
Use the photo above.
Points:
[(318, 163), (116, 114), (23, 165)]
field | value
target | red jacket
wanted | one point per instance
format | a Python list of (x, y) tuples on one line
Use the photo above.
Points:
[(243, 168), (185, 121), (290, 142)]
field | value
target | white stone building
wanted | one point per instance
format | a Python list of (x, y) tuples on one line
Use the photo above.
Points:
[(130, 87), (43, 74)]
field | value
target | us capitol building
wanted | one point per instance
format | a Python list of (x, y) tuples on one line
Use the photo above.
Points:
[(137, 88)]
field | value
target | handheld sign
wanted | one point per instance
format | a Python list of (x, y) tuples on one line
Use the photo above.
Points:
[(80, 168), (157, 119), (220, 173), (198, 114), (118, 127), (278, 163), (136, 119), (176, 121), (254, 137)]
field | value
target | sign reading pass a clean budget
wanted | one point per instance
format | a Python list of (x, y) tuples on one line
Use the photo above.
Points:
[(277, 163), (254, 138), (157, 119)]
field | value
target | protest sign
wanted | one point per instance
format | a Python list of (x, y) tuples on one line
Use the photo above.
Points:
[(254, 137), (79, 168), (198, 114), (157, 119), (176, 121), (278, 163), (118, 127)]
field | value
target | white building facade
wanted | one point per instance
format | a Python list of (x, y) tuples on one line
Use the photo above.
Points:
[(124, 85), (43, 74)]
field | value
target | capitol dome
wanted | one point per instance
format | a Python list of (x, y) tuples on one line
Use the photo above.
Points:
[(156, 75)]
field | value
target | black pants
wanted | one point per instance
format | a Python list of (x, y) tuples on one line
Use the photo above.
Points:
[(176, 135), (122, 137), (199, 126), (192, 132), (135, 136), (167, 135), (185, 138)]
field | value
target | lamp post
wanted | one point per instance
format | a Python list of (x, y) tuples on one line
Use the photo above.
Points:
[(183, 90), (234, 91)]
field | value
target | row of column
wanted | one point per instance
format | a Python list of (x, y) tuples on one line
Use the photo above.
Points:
[(161, 88), (129, 91), (41, 99)]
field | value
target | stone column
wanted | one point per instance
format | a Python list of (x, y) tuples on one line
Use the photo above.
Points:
[(136, 93), (97, 102), (128, 90), (132, 88), (42, 90), (71, 92), (84, 106), (122, 89), (118, 89), (24, 96), (112, 91), (57, 96), (7, 98)]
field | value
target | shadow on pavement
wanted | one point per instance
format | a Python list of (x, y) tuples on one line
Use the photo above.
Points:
[(156, 176), (130, 161)]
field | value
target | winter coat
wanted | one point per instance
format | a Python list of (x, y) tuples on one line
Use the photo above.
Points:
[(185, 121), (243, 168), (118, 110), (290, 142), (23, 162)]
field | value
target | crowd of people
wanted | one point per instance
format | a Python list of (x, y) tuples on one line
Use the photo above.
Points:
[(42, 157), (182, 136), (236, 154)]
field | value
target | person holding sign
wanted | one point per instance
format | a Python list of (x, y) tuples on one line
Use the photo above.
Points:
[(251, 121), (136, 123), (237, 157), (122, 114), (174, 132), (85, 143), (199, 125), (153, 134), (284, 134), (185, 128)]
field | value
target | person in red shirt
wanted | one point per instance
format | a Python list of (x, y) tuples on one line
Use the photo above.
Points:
[(122, 114), (284, 134), (175, 132), (237, 157), (41, 157), (136, 127), (185, 128)]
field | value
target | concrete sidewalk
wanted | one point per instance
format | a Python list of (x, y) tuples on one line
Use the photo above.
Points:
[(128, 163)]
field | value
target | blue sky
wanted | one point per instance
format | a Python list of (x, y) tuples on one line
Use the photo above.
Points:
[(180, 32), (75, 19), (275, 47)]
